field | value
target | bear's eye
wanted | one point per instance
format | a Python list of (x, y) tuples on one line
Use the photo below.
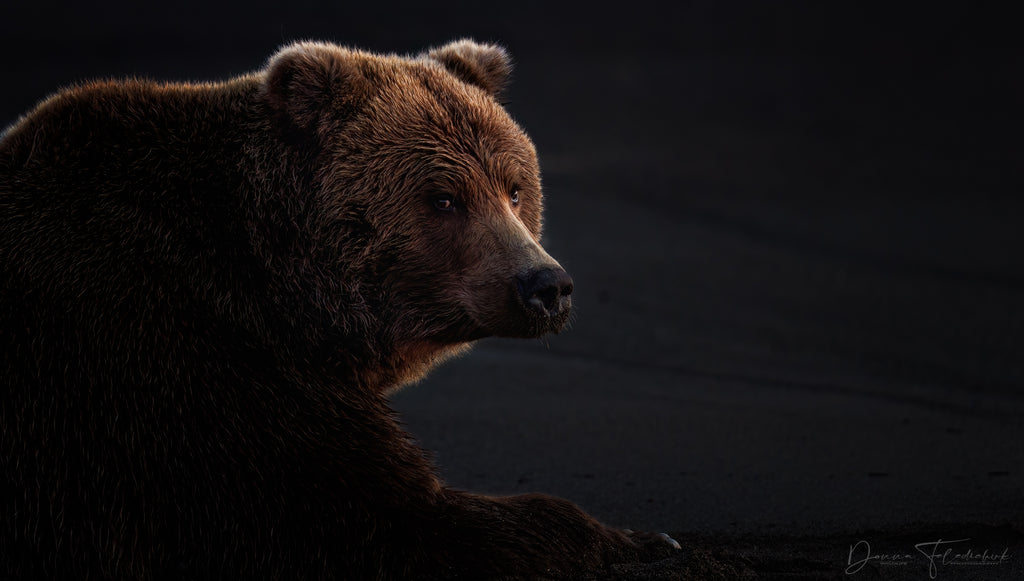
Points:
[(444, 203), (515, 197)]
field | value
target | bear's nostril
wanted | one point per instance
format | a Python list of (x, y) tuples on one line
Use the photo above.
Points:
[(543, 290)]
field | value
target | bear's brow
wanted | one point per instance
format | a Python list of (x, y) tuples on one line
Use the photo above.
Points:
[(479, 145)]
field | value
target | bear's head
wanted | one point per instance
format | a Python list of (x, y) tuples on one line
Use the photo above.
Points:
[(428, 195)]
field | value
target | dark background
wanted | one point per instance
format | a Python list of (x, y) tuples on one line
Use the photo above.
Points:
[(795, 232)]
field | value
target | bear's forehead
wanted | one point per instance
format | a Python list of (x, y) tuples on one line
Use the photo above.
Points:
[(448, 102), (423, 106)]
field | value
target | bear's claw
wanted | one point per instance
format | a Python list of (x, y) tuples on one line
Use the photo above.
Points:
[(651, 538), (672, 542)]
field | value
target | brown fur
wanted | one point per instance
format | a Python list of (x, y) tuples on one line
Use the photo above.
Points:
[(206, 291)]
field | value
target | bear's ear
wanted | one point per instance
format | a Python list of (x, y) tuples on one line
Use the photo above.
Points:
[(314, 85), (487, 66)]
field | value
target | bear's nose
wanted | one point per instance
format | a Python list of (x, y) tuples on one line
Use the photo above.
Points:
[(546, 291)]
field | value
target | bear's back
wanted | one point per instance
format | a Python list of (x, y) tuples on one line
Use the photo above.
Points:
[(108, 178)]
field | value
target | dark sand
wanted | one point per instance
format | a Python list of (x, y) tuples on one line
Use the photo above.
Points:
[(898, 554)]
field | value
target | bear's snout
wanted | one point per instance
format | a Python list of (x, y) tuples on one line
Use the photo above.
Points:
[(545, 293)]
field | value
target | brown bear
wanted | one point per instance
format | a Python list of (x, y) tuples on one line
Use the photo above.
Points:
[(206, 291)]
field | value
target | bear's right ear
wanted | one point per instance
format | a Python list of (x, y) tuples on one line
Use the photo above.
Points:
[(313, 86), (487, 66)]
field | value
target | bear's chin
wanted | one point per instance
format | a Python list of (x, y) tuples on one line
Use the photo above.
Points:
[(524, 326), (532, 327)]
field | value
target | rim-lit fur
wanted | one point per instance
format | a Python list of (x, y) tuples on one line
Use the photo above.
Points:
[(205, 291)]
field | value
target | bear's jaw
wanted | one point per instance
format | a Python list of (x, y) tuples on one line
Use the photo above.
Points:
[(413, 360)]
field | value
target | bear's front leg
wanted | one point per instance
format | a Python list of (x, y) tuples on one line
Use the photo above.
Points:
[(529, 536)]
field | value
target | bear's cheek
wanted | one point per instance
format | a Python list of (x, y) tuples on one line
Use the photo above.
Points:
[(444, 266), (460, 270)]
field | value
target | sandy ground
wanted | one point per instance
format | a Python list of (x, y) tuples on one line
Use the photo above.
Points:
[(898, 554)]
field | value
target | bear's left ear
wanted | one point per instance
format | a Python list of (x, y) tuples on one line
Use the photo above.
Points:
[(487, 66), (314, 85)]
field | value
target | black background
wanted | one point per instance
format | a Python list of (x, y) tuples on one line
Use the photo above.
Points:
[(795, 231)]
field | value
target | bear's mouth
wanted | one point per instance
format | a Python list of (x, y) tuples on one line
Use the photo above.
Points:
[(519, 322), (542, 324)]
